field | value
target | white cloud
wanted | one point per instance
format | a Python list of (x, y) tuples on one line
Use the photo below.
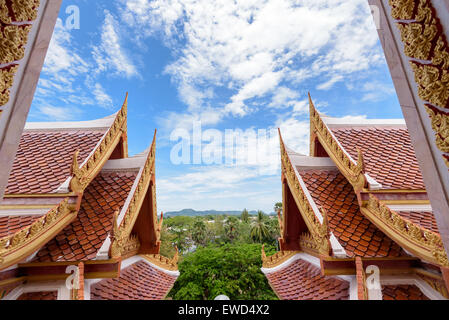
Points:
[(253, 47), (101, 96), (59, 113), (283, 97), (295, 133), (110, 55), (376, 91), (59, 58), (330, 83), (217, 187)]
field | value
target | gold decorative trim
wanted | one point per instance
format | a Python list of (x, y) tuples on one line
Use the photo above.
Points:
[(163, 262), (12, 43), (402, 9), (122, 245), (353, 171), (7, 75), (423, 243), (123, 231), (18, 246), (277, 259), (433, 83), (13, 39), (82, 177), (4, 13), (418, 39), (440, 124), (318, 230), (426, 45), (308, 243), (25, 10), (154, 201)]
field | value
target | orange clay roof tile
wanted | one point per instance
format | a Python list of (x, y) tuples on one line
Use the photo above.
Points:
[(82, 239), (44, 295), (424, 219), (388, 153), (303, 281), (356, 234), (402, 292), (139, 281), (43, 159), (12, 224)]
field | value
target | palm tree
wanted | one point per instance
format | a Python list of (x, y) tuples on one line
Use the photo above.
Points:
[(199, 232), (259, 229), (231, 228), (245, 216)]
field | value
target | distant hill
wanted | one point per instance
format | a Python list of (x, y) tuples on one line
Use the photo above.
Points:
[(192, 212)]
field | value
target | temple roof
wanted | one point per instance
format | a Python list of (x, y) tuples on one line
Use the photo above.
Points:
[(11, 224), (139, 281), (301, 280), (83, 238), (356, 234), (425, 219), (45, 153), (387, 150), (39, 295), (402, 292)]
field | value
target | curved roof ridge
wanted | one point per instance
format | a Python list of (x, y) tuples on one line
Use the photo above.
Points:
[(102, 123), (361, 121)]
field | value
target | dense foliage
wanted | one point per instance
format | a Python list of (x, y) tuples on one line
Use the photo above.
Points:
[(231, 269), (221, 254)]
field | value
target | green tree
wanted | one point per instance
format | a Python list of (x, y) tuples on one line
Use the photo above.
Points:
[(180, 238), (278, 207), (199, 232), (231, 228), (245, 216), (273, 230), (259, 229), (232, 270), (168, 242)]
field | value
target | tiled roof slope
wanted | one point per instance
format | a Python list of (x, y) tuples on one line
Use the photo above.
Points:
[(139, 281), (357, 235), (43, 159), (402, 292), (388, 152), (44, 295), (424, 219), (11, 224), (303, 281), (82, 239)]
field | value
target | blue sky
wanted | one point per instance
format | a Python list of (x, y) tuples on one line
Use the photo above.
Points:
[(231, 65)]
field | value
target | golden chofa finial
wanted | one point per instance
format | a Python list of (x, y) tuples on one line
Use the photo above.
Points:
[(174, 260), (264, 256), (75, 167), (311, 105), (125, 103), (115, 226), (159, 227), (360, 169)]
